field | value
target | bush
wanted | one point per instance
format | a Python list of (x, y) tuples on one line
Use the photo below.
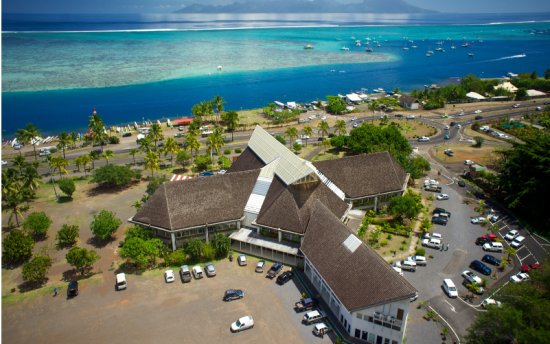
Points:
[(420, 252), (208, 252), (479, 141), (178, 257), (114, 140), (224, 162), (36, 269), (202, 161), (37, 224), (154, 184), (402, 248), (81, 258), (67, 186), (105, 224), (115, 174), (238, 150), (227, 151), (389, 237), (193, 247), (384, 242), (67, 234), (17, 246), (281, 139), (53, 150)]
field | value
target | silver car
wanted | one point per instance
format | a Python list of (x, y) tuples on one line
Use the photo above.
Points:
[(210, 270)]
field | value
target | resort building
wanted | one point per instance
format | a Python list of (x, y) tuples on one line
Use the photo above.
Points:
[(408, 102)]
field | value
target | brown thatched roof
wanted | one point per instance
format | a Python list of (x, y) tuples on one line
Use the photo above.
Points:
[(290, 207), (198, 201), (364, 175), (360, 279), (248, 160)]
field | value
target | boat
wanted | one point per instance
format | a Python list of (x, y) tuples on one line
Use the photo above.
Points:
[(279, 104), (358, 44), (429, 51), (428, 55), (448, 38), (367, 43), (411, 41), (379, 45), (158, 122), (379, 90), (414, 46), (219, 67), (439, 49), (344, 48), (338, 39), (352, 37), (440, 42), (470, 54), (405, 37), (358, 41), (386, 40), (168, 122), (453, 47), (135, 125), (308, 46), (368, 39), (405, 47), (369, 50)]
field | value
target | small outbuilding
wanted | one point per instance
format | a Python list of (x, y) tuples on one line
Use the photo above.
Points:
[(353, 98), (409, 102)]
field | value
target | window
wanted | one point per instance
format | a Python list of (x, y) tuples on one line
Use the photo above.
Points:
[(365, 335), (378, 322), (357, 333), (372, 337), (394, 342), (201, 230), (396, 328), (370, 319), (342, 319), (386, 341), (192, 232), (388, 325), (359, 316), (400, 313)]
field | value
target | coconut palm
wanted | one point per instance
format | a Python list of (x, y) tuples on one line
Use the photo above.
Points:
[(74, 137), (10, 184), (292, 133), (473, 287), (307, 131), (145, 144), (85, 160), (12, 205), (31, 179), (231, 119), (35, 164), (215, 141), (32, 132), (172, 147), (207, 108), (59, 163), (155, 133), (108, 154), (193, 144), (19, 162), (373, 107), (340, 127), (93, 156), (217, 104), (323, 129), (152, 162), (193, 130), (97, 128), (22, 137), (326, 143), (511, 253), (64, 139), (78, 162), (197, 110), (133, 153), (86, 138)]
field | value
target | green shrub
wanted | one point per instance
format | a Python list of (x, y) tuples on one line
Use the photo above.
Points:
[(67, 186), (384, 242), (115, 174), (420, 252), (114, 140), (67, 234), (37, 224), (404, 242), (178, 257), (238, 150), (53, 150), (227, 151), (17, 246), (389, 236)]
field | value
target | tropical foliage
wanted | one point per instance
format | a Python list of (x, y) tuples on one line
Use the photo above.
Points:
[(82, 258), (105, 224), (115, 175)]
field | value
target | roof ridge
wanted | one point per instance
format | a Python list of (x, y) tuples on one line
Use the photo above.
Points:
[(393, 167), (168, 206)]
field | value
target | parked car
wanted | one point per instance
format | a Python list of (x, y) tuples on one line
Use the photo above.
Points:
[(511, 235), (447, 137), (419, 260), (461, 183), (471, 277), (442, 197), (242, 324), (468, 162), (482, 241), (518, 242), (524, 268), (210, 270), (72, 290), (439, 221), (399, 271), (410, 117), (478, 219), (233, 294), (450, 288), (433, 236), (458, 126), (260, 266), (478, 117), (285, 277), (494, 218), (493, 247), (169, 276), (399, 115), (306, 304), (423, 139), (534, 266), (160, 144), (449, 153), (42, 153), (461, 114), (441, 210), (406, 265), (206, 174), (480, 267), (488, 302), (490, 237), (197, 272), (126, 134), (121, 281), (321, 329), (433, 243), (275, 269), (314, 317), (241, 259), (355, 125), (519, 278), (491, 260)]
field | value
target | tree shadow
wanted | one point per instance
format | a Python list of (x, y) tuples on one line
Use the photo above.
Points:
[(75, 275), (110, 189), (30, 286), (99, 243), (11, 265), (64, 199)]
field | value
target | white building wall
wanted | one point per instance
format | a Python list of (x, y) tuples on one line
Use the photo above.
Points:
[(248, 219)]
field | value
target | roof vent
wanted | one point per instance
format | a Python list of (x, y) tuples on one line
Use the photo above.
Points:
[(352, 243)]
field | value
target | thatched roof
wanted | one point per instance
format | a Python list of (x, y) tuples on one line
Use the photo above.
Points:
[(198, 201), (359, 276), (290, 207), (248, 160), (364, 175)]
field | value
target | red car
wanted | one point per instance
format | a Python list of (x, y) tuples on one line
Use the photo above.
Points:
[(491, 237), (534, 266), (524, 268)]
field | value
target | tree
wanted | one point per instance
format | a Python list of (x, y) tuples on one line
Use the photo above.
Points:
[(140, 203), (178, 257), (31, 132), (74, 137), (135, 249), (422, 163), (81, 258), (409, 165), (64, 139), (145, 145), (473, 287), (192, 143), (340, 127), (108, 154), (105, 224), (370, 139), (30, 179), (292, 133), (280, 139), (67, 234), (171, 146), (138, 232), (154, 249), (323, 128), (479, 140), (154, 184), (208, 252), (297, 147), (133, 153), (155, 133), (67, 186), (373, 106), (215, 141), (115, 175), (152, 162), (202, 161), (93, 156), (326, 143), (20, 163), (182, 158), (14, 199), (36, 269), (547, 73), (85, 160), (37, 224), (231, 119), (221, 244), (521, 92), (59, 163), (335, 104), (22, 137), (404, 206), (193, 247), (534, 75), (96, 125), (307, 131), (17, 246), (217, 105)]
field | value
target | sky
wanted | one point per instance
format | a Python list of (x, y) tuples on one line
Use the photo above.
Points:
[(168, 6)]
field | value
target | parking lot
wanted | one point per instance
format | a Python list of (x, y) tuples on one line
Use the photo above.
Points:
[(153, 311)]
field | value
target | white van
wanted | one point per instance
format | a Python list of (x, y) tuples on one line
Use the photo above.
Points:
[(450, 288), (121, 281)]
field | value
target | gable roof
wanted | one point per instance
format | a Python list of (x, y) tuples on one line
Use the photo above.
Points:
[(364, 175), (248, 160), (289, 207), (408, 99), (368, 279), (198, 201)]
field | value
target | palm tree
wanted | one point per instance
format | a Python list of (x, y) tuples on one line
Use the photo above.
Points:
[(231, 119), (22, 137), (35, 164), (373, 107), (152, 162), (97, 126), (197, 110), (217, 104), (58, 162), (78, 162), (511, 252), (19, 162), (133, 153), (32, 132), (172, 147), (63, 140), (108, 154), (291, 132), (307, 131), (326, 143), (473, 287), (74, 137), (85, 159), (30, 179), (145, 144), (155, 133), (193, 144), (193, 130), (10, 184), (13, 202), (323, 128), (94, 156), (207, 108), (340, 127), (86, 138), (215, 141)]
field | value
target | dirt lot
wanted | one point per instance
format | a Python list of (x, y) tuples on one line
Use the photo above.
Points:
[(461, 152)]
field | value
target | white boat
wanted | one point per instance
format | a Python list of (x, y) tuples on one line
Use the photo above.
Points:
[(279, 104), (135, 125), (386, 40), (414, 46), (411, 41), (344, 48), (405, 47), (448, 38), (358, 44), (379, 45), (369, 50), (338, 39), (440, 42), (158, 122), (439, 49), (470, 54), (352, 37), (358, 41), (429, 51), (453, 47), (379, 90), (428, 55), (168, 122), (368, 39), (405, 37)]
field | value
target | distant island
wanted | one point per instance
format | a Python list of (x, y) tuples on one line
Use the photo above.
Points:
[(307, 6)]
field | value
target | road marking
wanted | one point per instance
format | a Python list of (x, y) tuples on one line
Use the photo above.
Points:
[(446, 323), (520, 259), (452, 307)]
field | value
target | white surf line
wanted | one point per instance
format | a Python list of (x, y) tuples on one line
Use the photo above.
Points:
[(446, 323)]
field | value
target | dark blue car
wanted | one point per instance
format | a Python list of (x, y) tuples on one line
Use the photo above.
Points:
[(206, 174), (491, 260), (233, 294), (479, 266)]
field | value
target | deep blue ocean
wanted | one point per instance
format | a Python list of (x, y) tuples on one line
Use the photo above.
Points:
[(55, 68)]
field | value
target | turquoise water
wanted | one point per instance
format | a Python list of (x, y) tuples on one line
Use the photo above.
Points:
[(51, 77)]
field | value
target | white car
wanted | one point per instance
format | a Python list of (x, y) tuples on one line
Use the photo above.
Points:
[(355, 125), (493, 247), (471, 277), (426, 182), (518, 242), (242, 324), (423, 139), (121, 281), (410, 117), (44, 153), (197, 272), (511, 235), (354, 118), (442, 197), (222, 171), (419, 260), (515, 106), (398, 270), (468, 162), (433, 235), (241, 259), (434, 182), (447, 127), (458, 126), (478, 220), (304, 137), (488, 302), (461, 114), (433, 243), (519, 278), (169, 276), (4, 163), (450, 288), (539, 108), (478, 111)]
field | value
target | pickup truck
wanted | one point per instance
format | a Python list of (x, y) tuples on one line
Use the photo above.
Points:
[(306, 304), (275, 269), (321, 329), (314, 317), (433, 188)]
